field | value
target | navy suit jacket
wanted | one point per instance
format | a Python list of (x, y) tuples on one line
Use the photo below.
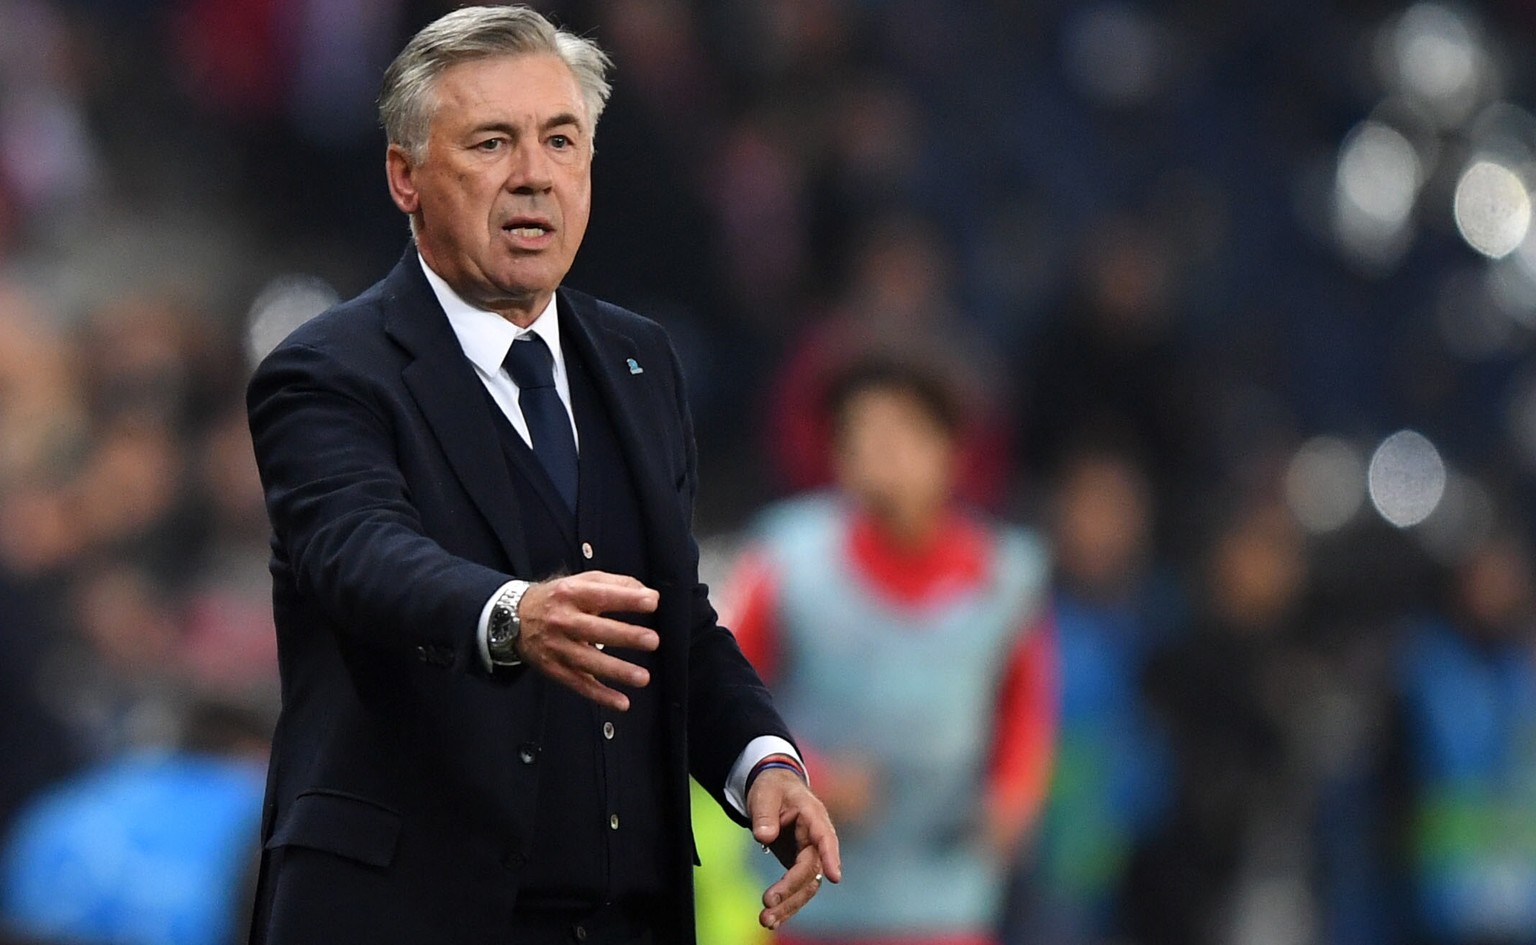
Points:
[(402, 795)]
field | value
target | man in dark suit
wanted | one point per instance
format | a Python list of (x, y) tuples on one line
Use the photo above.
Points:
[(499, 667)]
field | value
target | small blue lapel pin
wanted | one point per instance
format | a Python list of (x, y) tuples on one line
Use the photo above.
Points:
[(634, 366)]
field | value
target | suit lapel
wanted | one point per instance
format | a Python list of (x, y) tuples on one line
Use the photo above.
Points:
[(453, 400), (626, 396)]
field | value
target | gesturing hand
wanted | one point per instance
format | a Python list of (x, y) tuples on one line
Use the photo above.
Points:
[(789, 820), (563, 634)]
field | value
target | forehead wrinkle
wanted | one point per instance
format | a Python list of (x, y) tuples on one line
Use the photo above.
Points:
[(479, 88)]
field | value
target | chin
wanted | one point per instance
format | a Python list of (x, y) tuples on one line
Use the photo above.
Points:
[(520, 283)]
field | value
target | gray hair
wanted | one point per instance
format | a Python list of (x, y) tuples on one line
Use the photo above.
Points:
[(406, 100)]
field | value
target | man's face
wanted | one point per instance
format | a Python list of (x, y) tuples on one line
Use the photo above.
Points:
[(502, 196)]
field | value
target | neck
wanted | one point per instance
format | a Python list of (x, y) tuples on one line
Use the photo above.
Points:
[(521, 309), (518, 313), (908, 529)]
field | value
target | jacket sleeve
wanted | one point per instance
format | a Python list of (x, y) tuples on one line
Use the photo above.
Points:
[(343, 521)]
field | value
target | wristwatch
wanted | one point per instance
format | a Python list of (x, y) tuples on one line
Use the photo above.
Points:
[(505, 625)]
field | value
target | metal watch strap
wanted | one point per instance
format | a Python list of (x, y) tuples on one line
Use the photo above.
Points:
[(503, 646)]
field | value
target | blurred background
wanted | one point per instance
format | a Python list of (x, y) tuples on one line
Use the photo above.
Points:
[(1242, 296)]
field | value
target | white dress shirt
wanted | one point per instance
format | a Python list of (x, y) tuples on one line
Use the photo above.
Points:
[(485, 338)]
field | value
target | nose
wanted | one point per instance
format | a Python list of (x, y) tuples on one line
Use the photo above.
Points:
[(530, 169)]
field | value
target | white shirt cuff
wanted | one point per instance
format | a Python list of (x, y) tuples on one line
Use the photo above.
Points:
[(757, 749), (483, 634)]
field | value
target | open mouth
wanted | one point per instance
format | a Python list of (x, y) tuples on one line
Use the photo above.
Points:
[(527, 229)]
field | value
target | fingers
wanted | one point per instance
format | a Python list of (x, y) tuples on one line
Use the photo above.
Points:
[(564, 635), (570, 607), (793, 890), (779, 799), (793, 823), (593, 630), (594, 592), (589, 688), (584, 668), (820, 835), (591, 661)]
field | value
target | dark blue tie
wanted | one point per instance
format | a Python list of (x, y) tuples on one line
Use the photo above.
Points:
[(532, 368)]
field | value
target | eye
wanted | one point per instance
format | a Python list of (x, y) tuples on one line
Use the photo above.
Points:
[(489, 144), (560, 142)]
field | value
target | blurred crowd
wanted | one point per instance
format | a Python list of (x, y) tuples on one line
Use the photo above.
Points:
[(1238, 298)]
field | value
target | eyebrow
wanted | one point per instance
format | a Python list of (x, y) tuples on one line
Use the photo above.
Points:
[(511, 131), (564, 118)]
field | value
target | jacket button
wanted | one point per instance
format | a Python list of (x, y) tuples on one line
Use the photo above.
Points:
[(608, 730), (528, 753), (586, 550)]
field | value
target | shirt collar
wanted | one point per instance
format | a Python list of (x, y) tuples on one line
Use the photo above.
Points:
[(486, 336)]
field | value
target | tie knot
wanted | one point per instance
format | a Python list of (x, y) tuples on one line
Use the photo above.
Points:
[(530, 363)]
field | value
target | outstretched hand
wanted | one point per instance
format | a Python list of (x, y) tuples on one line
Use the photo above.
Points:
[(792, 822), (564, 635)]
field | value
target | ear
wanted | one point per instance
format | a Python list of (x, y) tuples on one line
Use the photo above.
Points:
[(402, 180)]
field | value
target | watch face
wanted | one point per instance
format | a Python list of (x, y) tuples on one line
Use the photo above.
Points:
[(500, 629), (501, 636)]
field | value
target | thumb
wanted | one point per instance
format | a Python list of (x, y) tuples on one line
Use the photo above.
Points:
[(763, 807)]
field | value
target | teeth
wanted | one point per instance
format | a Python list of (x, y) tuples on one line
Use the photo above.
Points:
[(527, 231)]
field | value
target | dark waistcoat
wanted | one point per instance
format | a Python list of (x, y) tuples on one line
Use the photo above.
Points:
[(601, 834)]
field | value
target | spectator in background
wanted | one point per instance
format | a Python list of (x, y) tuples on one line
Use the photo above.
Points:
[(116, 678), (1233, 862), (229, 644), (105, 530), (50, 162), (105, 557), (1116, 363), (32, 741), (41, 413), (40, 419), (900, 297), (910, 640), (146, 848), (102, 542), (1114, 610), (1467, 685)]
